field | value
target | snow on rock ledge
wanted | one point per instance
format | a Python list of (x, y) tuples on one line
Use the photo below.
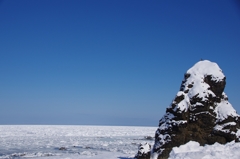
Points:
[(200, 112)]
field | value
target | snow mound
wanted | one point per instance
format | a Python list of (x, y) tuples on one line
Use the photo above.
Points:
[(193, 149)]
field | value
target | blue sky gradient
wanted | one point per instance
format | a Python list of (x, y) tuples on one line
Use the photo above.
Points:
[(109, 62)]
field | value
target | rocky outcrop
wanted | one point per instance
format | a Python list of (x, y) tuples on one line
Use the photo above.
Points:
[(200, 112), (144, 151)]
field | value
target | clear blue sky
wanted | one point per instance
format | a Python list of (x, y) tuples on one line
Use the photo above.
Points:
[(116, 62)]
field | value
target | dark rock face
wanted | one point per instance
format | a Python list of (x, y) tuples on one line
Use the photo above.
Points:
[(200, 112), (63, 148)]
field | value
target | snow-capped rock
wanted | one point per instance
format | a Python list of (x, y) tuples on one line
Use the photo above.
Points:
[(200, 112), (143, 151)]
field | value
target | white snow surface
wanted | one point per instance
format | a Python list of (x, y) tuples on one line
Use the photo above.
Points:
[(204, 68), (193, 149), (225, 109)]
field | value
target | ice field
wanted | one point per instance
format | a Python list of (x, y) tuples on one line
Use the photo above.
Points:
[(93, 142)]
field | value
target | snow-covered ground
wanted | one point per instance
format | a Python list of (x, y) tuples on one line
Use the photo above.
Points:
[(95, 142), (192, 150)]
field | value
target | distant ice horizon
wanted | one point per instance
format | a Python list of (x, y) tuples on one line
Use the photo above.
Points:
[(88, 119)]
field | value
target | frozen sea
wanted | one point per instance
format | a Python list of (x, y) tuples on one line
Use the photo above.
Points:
[(95, 142), (72, 142)]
